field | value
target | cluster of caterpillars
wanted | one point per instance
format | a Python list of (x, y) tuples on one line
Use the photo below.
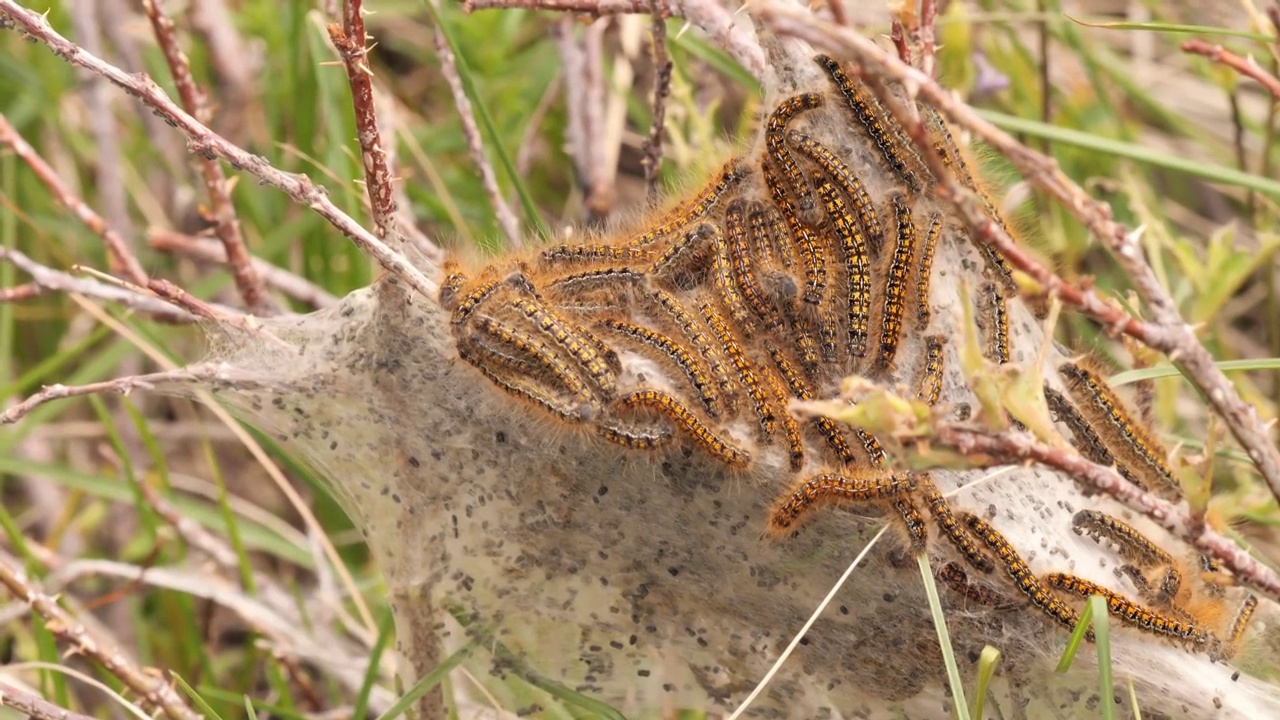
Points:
[(781, 276)]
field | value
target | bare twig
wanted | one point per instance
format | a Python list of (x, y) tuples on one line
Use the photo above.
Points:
[(1167, 332), (929, 37), (34, 706), (662, 66), (226, 223), (185, 300), (191, 375), (1247, 67), (202, 140), (150, 687), (898, 36), (122, 258), (47, 279), (19, 293), (277, 618), (1016, 446), (353, 47), (207, 250), (475, 144), (730, 31)]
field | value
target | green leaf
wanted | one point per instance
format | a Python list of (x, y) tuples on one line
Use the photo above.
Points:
[(1131, 151)]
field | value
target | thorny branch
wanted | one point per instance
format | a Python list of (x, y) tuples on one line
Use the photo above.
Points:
[(226, 223), (34, 706), (151, 688), (207, 250), (733, 33), (203, 141), (353, 47), (1016, 446), (46, 279), (1166, 332)]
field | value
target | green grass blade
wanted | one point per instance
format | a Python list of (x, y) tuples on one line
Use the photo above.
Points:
[(423, 686), (256, 537), (386, 630), (1137, 153), (944, 639), (1102, 634), (1173, 28), (196, 698), (988, 662), (1077, 639), (482, 114), (1163, 371)]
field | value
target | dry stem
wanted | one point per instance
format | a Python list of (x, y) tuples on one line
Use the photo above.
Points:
[(721, 26), (203, 141), (150, 687), (353, 47), (1245, 66), (226, 223), (662, 67), (475, 144), (34, 706), (1015, 446), (47, 279), (206, 250)]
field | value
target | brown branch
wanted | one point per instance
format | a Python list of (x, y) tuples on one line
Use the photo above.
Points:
[(898, 36), (1247, 67), (729, 30), (211, 251), (226, 223), (34, 706), (929, 37), (185, 300), (1016, 446), (475, 144), (149, 686), (1167, 332), (20, 293), (202, 140), (200, 373), (353, 47), (662, 65), (47, 279), (122, 258)]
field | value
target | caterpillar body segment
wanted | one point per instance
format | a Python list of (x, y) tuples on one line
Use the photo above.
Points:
[(689, 424), (1021, 574), (1129, 612), (1136, 451), (780, 154), (832, 488), (879, 127), (692, 367), (857, 276), (895, 282), (843, 179)]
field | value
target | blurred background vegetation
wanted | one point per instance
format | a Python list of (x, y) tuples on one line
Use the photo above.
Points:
[(1178, 145)]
